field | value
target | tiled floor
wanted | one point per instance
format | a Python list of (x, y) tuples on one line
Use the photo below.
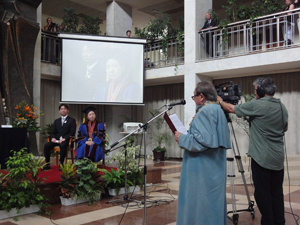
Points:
[(161, 203)]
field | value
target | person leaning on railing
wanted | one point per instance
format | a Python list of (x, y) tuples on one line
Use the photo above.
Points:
[(297, 5), (289, 23), (50, 26)]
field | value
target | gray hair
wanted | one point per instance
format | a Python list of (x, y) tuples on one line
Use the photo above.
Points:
[(207, 89), (267, 84)]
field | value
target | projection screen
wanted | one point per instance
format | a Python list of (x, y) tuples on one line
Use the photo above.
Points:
[(102, 70)]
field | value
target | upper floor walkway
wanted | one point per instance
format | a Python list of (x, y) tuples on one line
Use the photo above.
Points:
[(267, 45)]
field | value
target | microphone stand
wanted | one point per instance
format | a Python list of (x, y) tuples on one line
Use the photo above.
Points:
[(144, 127)]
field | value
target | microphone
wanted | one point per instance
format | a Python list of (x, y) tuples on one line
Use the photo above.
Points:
[(181, 102)]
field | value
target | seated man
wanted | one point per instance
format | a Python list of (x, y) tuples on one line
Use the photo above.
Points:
[(63, 128), (209, 37)]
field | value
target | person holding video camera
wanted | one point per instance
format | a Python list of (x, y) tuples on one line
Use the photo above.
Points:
[(268, 120), (202, 188), (50, 26)]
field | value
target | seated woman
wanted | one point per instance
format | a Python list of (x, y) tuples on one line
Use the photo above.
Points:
[(90, 136)]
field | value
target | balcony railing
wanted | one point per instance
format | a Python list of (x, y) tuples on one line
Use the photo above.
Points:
[(51, 48), (270, 32), (157, 54)]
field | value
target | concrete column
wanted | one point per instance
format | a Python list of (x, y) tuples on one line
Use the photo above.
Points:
[(118, 19), (37, 73), (194, 18)]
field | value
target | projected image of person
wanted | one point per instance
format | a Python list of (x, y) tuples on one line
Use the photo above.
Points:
[(90, 74), (120, 87), (90, 136)]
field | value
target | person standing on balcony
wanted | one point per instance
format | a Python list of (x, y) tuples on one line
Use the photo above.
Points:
[(50, 27), (209, 23), (202, 188), (128, 33), (289, 23), (268, 123)]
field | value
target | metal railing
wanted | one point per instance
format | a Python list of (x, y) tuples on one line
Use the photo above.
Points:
[(270, 32), (156, 55), (51, 48)]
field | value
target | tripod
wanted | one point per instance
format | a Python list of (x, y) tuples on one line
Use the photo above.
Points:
[(231, 175)]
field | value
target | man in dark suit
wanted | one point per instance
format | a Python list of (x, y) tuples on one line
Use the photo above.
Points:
[(209, 23), (63, 128)]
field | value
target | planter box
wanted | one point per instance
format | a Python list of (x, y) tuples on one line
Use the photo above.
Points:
[(122, 190), (73, 201), (13, 212)]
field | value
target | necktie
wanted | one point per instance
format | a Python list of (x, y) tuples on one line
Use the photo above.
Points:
[(62, 121)]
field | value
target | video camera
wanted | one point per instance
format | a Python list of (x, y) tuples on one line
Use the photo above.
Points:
[(229, 93)]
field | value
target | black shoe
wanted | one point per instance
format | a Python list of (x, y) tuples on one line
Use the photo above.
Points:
[(60, 165), (46, 167)]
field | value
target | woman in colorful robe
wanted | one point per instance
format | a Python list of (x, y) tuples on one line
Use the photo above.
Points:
[(202, 188), (90, 136)]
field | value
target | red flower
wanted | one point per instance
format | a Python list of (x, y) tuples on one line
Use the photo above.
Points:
[(17, 107), (18, 114)]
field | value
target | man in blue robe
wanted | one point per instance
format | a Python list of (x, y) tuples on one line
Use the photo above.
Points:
[(202, 189)]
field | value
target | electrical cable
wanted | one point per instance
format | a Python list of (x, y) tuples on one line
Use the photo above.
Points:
[(139, 158), (287, 167), (52, 220)]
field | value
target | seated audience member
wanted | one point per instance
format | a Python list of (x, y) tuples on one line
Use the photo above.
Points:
[(128, 33), (287, 28), (63, 128), (90, 136), (209, 36), (50, 26)]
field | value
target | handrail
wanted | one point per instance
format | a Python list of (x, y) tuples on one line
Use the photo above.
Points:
[(248, 20)]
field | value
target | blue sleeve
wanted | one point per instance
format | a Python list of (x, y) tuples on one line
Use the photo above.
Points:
[(100, 134)]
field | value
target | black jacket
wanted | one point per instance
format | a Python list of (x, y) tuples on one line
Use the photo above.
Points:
[(66, 130)]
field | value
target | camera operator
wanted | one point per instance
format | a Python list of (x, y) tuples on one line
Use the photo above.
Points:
[(268, 122), (50, 26)]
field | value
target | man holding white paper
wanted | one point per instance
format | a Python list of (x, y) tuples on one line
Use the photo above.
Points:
[(202, 189)]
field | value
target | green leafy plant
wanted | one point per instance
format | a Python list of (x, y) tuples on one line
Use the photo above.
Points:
[(47, 131), (162, 134), (70, 20), (91, 24), (161, 28), (88, 176), (19, 188), (115, 179), (68, 181)]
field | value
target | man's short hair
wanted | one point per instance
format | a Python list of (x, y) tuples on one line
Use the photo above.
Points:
[(267, 84), (65, 105), (207, 89), (128, 31)]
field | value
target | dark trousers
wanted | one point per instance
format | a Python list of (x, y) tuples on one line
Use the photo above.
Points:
[(63, 150), (268, 194)]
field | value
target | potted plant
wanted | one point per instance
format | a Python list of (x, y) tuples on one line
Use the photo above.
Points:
[(20, 193), (115, 180), (160, 136), (81, 185)]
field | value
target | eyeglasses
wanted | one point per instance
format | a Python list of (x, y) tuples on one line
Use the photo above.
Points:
[(195, 96)]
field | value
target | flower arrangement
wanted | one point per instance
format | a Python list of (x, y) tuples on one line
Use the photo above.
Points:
[(27, 117)]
